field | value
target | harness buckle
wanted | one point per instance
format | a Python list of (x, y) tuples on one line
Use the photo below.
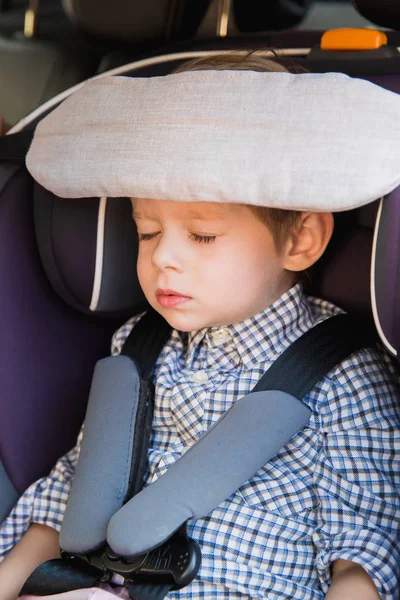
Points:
[(176, 562)]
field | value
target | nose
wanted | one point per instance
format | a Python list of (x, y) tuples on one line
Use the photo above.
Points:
[(166, 254)]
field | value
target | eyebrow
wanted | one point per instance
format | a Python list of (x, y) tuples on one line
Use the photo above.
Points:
[(190, 214), (194, 214)]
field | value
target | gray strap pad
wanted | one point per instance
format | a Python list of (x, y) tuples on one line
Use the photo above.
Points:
[(8, 493), (227, 455), (102, 475)]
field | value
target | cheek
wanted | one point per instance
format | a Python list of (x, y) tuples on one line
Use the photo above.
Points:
[(224, 274), (143, 267), (250, 267)]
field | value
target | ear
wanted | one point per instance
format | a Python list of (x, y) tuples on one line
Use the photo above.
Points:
[(308, 241)]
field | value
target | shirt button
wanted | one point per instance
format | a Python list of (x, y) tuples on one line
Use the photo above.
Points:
[(221, 336), (199, 377)]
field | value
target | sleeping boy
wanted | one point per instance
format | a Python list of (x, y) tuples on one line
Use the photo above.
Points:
[(322, 518)]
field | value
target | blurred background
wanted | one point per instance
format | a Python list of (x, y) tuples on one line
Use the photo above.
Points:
[(47, 46)]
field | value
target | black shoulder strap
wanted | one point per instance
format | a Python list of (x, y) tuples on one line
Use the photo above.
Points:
[(315, 353), (143, 346), (146, 340), (14, 147)]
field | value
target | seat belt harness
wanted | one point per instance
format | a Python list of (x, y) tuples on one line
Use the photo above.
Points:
[(142, 535)]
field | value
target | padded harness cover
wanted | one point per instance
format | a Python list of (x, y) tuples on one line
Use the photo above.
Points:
[(102, 475), (226, 456)]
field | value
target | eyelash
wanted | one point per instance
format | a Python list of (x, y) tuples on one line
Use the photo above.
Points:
[(201, 239)]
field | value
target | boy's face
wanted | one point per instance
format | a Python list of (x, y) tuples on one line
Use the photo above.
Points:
[(205, 264)]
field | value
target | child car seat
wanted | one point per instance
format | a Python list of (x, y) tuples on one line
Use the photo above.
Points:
[(17, 221)]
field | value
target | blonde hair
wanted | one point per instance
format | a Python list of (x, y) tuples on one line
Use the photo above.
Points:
[(280, 222), (256, 60)]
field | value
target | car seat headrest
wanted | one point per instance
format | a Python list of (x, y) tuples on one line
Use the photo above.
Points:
[(89, 250), (342, 275), (385, 13), (303, 142), (258, 15), (136, 22), (385, 272)]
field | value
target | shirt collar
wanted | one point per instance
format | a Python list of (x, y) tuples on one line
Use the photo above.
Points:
[(262, 337)]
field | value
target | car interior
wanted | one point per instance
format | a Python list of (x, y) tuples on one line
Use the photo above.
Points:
[(51, 334)]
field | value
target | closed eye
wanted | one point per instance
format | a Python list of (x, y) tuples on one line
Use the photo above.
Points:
[(202, 239), (147, 236)]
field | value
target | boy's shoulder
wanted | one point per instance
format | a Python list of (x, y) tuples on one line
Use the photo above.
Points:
[(362, 391), (120, 336)]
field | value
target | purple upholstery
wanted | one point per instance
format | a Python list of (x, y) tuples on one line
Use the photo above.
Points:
[(47, 350), (389, 82), (387, 279), (387, 270), (343, 276)]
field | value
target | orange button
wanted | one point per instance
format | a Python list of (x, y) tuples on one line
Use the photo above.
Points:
[(353, 39)]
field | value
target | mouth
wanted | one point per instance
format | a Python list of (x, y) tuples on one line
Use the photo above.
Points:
[(170, 298)]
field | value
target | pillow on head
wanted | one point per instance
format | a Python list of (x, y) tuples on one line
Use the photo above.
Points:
[(297, 141)]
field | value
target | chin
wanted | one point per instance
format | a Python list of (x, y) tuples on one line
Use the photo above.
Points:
[(183, 322)]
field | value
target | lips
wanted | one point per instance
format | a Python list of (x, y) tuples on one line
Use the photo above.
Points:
[(170, 298)]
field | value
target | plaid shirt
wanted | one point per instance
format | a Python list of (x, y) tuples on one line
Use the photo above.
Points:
[(332, 492)]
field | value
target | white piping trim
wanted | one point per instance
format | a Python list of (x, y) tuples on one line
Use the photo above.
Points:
[(98, 270), (145, 62), (373, 290)]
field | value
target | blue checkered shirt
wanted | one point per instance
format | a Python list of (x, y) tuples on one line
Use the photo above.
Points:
[(332, 492)]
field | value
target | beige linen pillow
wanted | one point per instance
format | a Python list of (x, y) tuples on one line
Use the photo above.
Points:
[(297, 141)]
